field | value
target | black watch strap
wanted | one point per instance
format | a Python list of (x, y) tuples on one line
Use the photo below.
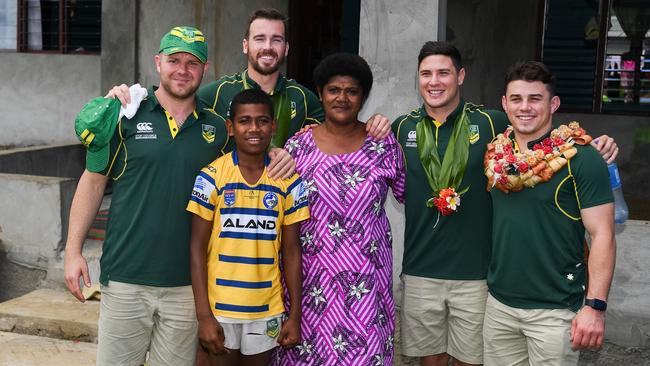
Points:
[(597, 304)]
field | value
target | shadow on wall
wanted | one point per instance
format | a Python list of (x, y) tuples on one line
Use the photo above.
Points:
[(64, 161), (16, 279), (636, 176)]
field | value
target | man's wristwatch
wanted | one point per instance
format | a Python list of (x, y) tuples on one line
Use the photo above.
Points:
[(596, 304)]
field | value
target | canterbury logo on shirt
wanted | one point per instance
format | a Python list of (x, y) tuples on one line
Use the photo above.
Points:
[(144, 127), (144, 131)]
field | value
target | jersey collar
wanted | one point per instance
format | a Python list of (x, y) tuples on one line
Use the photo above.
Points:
[(249, 83), (235, 158), (451, 117), (199, 105)]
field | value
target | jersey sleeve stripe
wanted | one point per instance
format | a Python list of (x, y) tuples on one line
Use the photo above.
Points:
[(244, 284), (207, 177), (248, 211), (241, 308), (293, 185), (245, 260), (202, 203), (296, 208), (249, 236)]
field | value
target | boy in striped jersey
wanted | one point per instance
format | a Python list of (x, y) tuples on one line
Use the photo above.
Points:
[(243, 224)]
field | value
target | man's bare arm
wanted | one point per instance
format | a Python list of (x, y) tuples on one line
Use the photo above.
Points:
[(85, 204), (588, 327)]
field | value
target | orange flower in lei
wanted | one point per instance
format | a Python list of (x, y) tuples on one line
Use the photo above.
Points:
[(447, 201), (510, 170)]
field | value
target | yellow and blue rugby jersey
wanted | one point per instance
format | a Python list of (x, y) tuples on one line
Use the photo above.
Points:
[(244, 279)]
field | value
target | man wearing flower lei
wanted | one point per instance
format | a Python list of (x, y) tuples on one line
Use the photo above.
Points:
[(447, 244), (551, 186)]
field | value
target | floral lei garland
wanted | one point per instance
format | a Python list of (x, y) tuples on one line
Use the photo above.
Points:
[(510, 170)]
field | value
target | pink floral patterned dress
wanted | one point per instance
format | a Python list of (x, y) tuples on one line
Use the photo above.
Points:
[(348, 314)]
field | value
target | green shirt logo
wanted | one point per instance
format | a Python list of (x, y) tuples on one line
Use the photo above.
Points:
[(208, 132), (474, 134)]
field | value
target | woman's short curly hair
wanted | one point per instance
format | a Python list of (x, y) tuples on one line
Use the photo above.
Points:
[(344, 64)]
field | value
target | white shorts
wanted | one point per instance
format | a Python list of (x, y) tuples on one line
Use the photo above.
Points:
[(251, 338)]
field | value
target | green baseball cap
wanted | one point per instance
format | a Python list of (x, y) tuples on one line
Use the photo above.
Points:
[(185, 39), (95, 126)]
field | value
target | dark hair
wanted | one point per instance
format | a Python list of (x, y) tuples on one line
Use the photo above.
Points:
[(531, 71), (250, 96), (344, 64), (441, 48), (269, 14)]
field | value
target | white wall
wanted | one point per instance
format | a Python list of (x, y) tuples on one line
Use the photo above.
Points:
[(40, 95)]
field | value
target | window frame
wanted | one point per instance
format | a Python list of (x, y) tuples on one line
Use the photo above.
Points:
[(605, 7), (22, 42)]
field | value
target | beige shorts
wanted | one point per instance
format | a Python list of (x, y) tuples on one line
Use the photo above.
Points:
[(251, 338), (134, 319), (443, 316), (521, 337)]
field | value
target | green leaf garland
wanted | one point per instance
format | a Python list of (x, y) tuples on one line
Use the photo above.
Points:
[(448, 173)]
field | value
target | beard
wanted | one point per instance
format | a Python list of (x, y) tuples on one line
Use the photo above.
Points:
[(178, 93), (266, 70)]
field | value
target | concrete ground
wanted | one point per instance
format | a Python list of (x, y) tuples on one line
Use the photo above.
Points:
[(26, 350), (47, 325), (51, 313), (609, 355)]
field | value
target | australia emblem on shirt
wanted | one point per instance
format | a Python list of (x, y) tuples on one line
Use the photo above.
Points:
[(474, 135), (293, 109), (208, 132)]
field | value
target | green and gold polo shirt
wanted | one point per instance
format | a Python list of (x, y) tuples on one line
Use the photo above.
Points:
[(292, 102), (538, 239), (458, 246), (153, 165)]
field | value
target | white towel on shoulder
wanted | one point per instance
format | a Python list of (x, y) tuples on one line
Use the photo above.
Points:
[(138, 93)]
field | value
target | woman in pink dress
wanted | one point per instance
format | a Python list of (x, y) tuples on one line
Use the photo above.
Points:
[(348, 314)]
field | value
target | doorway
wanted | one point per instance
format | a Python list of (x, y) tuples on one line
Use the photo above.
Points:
[(317, 29)]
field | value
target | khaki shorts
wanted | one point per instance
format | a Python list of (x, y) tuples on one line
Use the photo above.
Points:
[(443, 316), (134, 319), (521, 337), (253, 337)]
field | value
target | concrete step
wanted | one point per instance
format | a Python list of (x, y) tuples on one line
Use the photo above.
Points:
[(26, 350), (51, 313)]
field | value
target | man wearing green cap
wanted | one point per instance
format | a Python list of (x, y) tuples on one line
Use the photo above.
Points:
[(266, 48), (152, 159)]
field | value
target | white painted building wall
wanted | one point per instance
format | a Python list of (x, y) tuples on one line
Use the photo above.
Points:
[(40, 95)]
